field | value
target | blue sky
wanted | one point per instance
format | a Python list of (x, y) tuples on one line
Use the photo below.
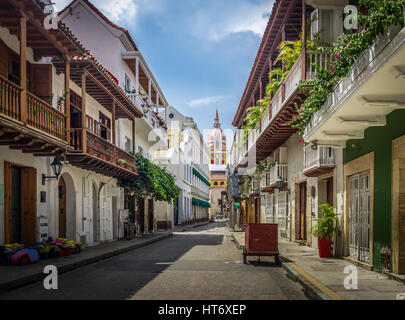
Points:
[(200, 51)]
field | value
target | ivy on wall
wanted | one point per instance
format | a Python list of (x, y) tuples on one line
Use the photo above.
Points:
[(151, 181), (380, 16)]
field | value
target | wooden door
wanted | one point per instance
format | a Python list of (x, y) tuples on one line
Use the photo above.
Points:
[(302, 212), (62, 207), (29, 205), (141, 214), (3, 59), (150, 215), (257, 210)]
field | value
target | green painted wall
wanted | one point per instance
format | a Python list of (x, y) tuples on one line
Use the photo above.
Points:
[(379, 140)]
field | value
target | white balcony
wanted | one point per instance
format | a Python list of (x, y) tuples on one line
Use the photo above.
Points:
[(318, 161), (373, 88), (276, 173)]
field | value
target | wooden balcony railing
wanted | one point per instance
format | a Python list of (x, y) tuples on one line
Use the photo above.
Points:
[(101, 148), (10, 104), (40, 114), (46, 118), (95, 127)]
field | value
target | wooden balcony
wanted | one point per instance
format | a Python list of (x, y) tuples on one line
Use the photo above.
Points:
[(100, 155), (40, 130), (271, 130), (318, 161)]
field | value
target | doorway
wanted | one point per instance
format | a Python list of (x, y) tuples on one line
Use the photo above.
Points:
[(176, 213), (96, 223), (329, 191), (20, 204), (359, 217), (150, 215), (62, 207), (257, 210), (141, 214), (301, 218)]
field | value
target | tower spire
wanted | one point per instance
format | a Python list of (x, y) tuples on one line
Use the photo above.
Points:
[(216, 120)]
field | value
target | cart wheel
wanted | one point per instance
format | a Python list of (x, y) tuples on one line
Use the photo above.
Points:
[(244, 256), (277, 259)]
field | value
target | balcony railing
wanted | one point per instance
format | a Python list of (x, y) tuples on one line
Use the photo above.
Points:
[(10, 104), (41, 116), (279, 171), (322, 157), (46, 118), (101, 148), (290, 83), (94, 127), (255, 186), (149, 115)]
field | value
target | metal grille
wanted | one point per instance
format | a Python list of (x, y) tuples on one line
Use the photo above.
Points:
[(359, 217), (282, 210), (270, 208)]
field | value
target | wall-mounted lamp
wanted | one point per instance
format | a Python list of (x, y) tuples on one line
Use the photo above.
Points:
[(279, 183), (56, 166), (314, 146)]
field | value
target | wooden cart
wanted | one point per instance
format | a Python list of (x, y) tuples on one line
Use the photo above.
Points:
[(261, 240)]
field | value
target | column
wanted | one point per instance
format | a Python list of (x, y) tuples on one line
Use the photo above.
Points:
[(157, 102), (137, 75), (283, 65), (84, 112), (149, 92), (113, 131), (67, 99), (133, 139), (304, 40), (23, 68)]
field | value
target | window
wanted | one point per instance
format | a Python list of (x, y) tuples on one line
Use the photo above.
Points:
[(222, 183), (128, 144), (171, 115), (215, 183), (105, 125), (128, 84), (216, 161)]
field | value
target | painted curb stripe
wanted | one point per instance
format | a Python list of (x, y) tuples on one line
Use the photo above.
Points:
[(326, 290)]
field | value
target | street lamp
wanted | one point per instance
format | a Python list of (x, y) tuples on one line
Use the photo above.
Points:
[(56, 166)]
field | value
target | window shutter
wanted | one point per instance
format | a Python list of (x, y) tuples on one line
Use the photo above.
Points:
[(3, 59), (269, 208), (282, 209), (41, 80)]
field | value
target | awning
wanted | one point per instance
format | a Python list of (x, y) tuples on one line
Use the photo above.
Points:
[(200, 203), (199, 175)]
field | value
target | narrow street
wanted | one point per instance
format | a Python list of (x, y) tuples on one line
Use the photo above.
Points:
[(201, 263)]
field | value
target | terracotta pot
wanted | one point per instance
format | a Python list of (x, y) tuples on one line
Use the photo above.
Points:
[(324, 247)]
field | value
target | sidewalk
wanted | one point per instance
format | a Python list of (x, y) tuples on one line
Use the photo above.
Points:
[(16, 276), (323, 278)]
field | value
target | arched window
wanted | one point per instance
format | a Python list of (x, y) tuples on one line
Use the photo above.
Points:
[(215, 183), (222, 183)]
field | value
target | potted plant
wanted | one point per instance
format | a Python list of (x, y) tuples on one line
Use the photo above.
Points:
[(121, 162), (325, 228)]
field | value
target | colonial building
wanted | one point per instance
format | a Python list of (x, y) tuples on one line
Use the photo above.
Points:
[(58, 112), (218, 161), (350, 154), (128, 68)]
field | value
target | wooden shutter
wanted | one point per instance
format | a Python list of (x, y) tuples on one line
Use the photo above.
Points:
[(3, 59), (282, 209), (41, 80), (29, 205)]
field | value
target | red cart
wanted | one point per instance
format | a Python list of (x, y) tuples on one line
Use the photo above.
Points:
[(261, 240)]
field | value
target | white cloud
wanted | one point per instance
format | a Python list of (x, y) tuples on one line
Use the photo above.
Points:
[(204, 101), (215, 23), (116, 10)]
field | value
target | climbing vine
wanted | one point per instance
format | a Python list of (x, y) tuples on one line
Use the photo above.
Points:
[(151, 181), (380, 16), (289, 53)]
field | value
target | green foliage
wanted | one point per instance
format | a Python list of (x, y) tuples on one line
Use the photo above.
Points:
[(290, 51), (151, 181), (381, 15), (327, 224)]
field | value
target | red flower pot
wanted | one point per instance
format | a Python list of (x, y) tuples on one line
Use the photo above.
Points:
[(324, 247)]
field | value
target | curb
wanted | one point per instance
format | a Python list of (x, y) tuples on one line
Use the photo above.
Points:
[(74, 265), (314, 289), (236, 241), (201, 224)]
